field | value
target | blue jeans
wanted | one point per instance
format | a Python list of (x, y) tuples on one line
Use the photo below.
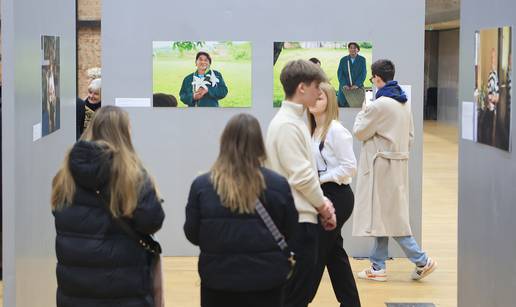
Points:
[(407, 243)]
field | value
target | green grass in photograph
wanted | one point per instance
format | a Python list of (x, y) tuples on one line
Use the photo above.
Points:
[(329, 58)]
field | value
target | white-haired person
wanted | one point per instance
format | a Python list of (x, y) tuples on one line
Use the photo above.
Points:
[(85, 109)]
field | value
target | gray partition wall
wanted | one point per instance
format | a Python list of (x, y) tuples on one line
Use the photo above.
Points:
[(448, 75), (28, 167), (178, 144), (487, 177)]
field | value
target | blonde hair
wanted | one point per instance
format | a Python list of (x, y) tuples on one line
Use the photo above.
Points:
[(332, 111), (109, 128), (236, 174)]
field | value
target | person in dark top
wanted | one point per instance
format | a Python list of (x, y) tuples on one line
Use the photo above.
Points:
[(102, 179), (87, 108), (204, 87), (488, 128), (240, 263)]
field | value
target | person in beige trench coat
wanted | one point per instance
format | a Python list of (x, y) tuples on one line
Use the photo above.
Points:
[(386, 129)]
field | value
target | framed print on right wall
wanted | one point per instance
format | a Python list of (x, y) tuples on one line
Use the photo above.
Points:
[(493, 85)]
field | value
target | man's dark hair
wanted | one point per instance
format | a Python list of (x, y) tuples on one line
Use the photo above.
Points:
[(299, 71), (206, 54), (383, 69), (314, 60), (163, 100), (354, 44)]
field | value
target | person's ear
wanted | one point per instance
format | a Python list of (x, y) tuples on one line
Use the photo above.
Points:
[(301, 87)]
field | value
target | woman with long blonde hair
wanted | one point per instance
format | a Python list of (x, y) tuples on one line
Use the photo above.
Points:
[(240, 263), (332, 146), (101, 184)]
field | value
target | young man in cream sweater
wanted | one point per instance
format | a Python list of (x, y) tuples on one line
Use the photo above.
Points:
[(289, 153)]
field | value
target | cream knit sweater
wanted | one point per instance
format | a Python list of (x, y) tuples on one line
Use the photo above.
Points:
[(289, 153)]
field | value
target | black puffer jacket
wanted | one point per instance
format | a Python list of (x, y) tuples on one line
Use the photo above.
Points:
[(238, 253), (98, 264)]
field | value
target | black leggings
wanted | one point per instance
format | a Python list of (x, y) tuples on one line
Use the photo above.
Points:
[(331, 251)]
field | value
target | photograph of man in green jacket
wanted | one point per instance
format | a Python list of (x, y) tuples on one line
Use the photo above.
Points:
[(204, 87), (351, 73)]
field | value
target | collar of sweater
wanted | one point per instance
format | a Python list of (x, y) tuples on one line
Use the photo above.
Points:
[(293, 108)]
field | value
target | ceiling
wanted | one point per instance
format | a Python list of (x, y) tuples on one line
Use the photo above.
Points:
[(442, 14)]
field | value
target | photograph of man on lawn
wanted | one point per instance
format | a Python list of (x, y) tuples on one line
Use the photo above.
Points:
[(347, 65), (202, 74)]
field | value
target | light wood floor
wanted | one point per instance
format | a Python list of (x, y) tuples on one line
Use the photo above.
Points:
[(439, 240)]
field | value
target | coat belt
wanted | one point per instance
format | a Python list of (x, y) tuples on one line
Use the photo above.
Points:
[(385, 155)]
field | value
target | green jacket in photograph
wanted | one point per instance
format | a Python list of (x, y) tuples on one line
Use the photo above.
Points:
[(358, 75), (212, 97)]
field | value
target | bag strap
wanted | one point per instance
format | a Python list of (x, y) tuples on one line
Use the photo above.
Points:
[(148, 244), (321, 147), (269, 223), (349, 73), (278, 237)]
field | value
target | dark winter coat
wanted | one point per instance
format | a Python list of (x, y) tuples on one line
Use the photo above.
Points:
[(84, 111), (238, 253), (98, 264)]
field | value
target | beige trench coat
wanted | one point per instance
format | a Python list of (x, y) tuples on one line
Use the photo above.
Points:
[(382, 193)]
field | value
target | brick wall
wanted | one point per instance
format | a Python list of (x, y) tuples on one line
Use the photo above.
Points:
[(89, 9), (88, 43), (89, 55)]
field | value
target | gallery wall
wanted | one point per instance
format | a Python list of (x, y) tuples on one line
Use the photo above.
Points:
[(431, 71), (448, 77), (487, 206), (177, 144), (28, 164)]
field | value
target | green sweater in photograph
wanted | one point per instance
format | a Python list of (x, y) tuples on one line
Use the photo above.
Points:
[(212, 97)]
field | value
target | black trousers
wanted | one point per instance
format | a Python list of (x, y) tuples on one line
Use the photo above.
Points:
[(487, 126), (305, 245), (218, 298), (331, 251)]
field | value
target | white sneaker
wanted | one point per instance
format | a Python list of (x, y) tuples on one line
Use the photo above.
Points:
[(372, 274), (420, 273)]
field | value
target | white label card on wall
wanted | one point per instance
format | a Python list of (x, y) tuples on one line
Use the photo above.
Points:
[(133, 102), (369, 96), (408, 91), (468, 120), (36, 132)]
